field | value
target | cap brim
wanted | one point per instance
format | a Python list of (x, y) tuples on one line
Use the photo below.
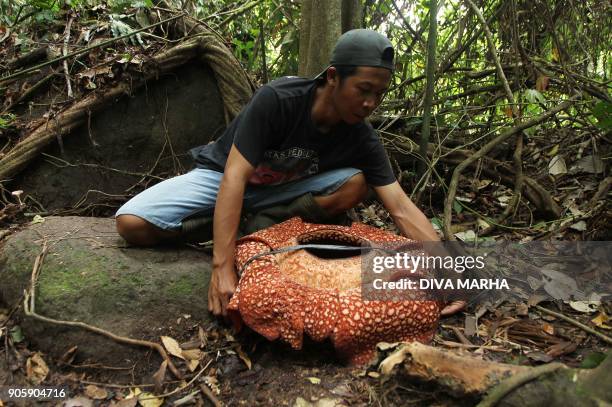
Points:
[(322, 74)]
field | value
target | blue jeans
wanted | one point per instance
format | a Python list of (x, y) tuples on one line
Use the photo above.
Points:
[(171, 201)]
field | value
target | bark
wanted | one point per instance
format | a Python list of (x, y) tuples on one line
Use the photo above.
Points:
[(505, 385), (319, 30), (352, 15)]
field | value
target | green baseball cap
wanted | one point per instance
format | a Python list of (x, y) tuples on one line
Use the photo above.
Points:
[(362, 47)]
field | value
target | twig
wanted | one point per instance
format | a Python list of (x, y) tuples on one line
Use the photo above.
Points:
[(580, 325), (29, 310), (116, 386), (183, 387), (64, 53), (29, 92), (512, 383), (102, 167), (211, 396)]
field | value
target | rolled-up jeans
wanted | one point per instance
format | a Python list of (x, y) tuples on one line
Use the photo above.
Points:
[(170, 202)]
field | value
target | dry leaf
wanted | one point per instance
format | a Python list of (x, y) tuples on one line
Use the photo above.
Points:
[(244, 357), (557, 166), (587, 307), (158, 377), (589, 164), (601, 320), (192, 354), (36, 369), (548, 328), (95, 392), (375, 375), (394, 359), (192, 365), (68, 356), (202, 336), (77, 402), (149, 400), (134, 393), (172, 346), (542, 83), (125, 403), (560, 286)]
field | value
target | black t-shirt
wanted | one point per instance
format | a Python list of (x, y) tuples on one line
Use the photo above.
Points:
[(275, 133)]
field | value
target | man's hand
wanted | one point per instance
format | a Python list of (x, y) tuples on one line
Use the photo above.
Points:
[(453, 307), (223, 283)]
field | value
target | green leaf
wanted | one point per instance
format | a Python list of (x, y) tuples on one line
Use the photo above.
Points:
[(437, 222), (602, 111), (457, 207), (592, 360), (533, 96), (16, 334)]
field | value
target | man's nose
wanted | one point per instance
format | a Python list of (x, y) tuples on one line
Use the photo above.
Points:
[(369, 102)]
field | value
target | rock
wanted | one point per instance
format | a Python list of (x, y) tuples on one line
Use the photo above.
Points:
[(89, 275)]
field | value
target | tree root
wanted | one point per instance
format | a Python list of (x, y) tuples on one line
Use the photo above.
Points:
[(452, 189), (514, 382), (464, 375)]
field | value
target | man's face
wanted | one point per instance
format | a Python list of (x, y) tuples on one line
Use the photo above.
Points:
[(359, 94)]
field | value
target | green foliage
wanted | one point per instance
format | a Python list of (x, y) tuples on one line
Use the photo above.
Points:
[(592, 360), (603, 113), (6, 121)]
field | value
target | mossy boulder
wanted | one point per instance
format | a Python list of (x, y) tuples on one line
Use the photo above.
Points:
[(89, 274)]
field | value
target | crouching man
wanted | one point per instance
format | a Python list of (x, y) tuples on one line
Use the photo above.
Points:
[(301, 147)]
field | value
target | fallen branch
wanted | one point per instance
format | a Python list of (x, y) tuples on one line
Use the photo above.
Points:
[(466, 375)]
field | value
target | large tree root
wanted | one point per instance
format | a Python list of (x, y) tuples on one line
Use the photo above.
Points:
[(233, 85), (508, 385)]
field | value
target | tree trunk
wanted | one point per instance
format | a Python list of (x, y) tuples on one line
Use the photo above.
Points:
[(352, 15), (321, 25)]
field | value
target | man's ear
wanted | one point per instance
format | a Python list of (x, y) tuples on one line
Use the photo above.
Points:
[(332, 76)]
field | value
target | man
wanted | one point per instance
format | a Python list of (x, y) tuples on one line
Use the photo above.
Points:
[(300, 147)]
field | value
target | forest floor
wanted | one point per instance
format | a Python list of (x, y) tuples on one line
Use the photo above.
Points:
[(245, 369)]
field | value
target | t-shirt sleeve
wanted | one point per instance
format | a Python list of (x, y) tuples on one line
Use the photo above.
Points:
[(255, 129), (374, 162)]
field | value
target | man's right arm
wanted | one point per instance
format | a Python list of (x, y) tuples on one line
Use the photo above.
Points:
[(225, 228)]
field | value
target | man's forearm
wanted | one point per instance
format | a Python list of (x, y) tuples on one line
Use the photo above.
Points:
[(413, 223), (226, 221)]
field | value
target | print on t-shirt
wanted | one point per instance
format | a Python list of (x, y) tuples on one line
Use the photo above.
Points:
[(278, 167)]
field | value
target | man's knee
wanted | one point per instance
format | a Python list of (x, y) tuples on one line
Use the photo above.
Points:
[(357, 188), (137, 231), (349, 195)]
